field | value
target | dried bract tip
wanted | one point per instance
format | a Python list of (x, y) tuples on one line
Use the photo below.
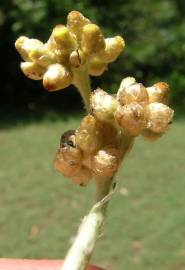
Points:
[(75, 23), (114, 46), (92, 39), (32, 70), (106, 161), (88, 136), (96, 67), (162, 85), (131, 118), (103, 105), (57, 77), (82, 177), (133, 93), (159, 92), (159, 117), (151, 136)]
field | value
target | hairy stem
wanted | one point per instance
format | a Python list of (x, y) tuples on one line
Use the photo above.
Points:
[(82, 82), (89, 232)]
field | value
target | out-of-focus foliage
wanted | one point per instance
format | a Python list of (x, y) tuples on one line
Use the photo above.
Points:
[(154, 32)]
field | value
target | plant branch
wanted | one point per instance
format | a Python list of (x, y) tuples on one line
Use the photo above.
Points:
[(89, 232), (82, 82)]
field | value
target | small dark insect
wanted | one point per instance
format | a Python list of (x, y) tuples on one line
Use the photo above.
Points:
[(67, 139)]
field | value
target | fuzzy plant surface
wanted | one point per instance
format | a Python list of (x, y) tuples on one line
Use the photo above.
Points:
[(95, 150)]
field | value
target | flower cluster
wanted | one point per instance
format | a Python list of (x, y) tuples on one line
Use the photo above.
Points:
[(143, 110), (107, 134), (89, 151), (79, 44), (135, 109)]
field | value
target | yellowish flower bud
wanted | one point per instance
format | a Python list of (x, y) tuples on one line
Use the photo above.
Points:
[(56, 77), (133, 93), (114, 46), (68, 169), (32, 70), (132, 118), (159, 92), (24, 46), (151, 136), (96, 67), (92, 39), (88, 136), (64, 39), (159, 116), (42, 56), (82, 177), (106, 161), (103, 105), (75, 23), (54, 48), (77, 58)]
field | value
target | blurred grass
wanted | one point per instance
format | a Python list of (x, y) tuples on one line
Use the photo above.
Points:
[(40, 210)]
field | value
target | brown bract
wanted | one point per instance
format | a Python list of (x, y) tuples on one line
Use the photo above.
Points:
[(133, 93), (88, 136), (159, 92), (106, 161), (159, 117), (131, 118)]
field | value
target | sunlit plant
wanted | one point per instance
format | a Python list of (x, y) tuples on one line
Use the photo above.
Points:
[(96, 149)]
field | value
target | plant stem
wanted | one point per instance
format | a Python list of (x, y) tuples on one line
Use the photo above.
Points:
[(103, 186), (89, 232), (82, 82)]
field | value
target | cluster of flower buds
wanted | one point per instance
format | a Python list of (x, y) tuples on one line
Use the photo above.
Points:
[(89, 151), (77, 45), (143, 110), (107, 134), (135, 109)]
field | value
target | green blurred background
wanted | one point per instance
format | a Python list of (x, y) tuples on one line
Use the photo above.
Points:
[(39, 209)]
